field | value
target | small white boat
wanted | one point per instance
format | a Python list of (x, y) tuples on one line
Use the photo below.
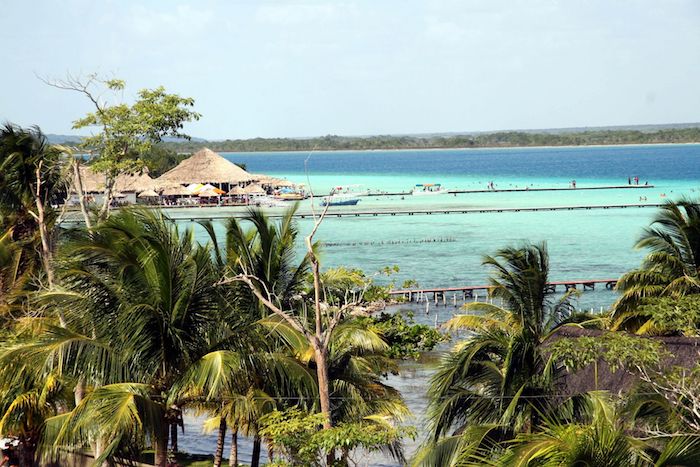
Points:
[(427, 189), (268, 201)]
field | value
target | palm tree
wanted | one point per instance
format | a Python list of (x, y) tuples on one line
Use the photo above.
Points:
[(32, 179), (491, 377), (141, 308), (603, 435), (27, 401), (671, 268)]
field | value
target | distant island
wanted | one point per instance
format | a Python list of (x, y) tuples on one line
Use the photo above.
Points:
[(641, 134)]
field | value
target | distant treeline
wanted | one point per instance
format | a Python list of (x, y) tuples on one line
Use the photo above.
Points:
[(499, 139)]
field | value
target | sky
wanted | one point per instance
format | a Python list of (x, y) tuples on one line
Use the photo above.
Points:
[(316, 67)]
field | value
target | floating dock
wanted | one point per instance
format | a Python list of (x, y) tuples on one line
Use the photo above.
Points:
[(439, 295)]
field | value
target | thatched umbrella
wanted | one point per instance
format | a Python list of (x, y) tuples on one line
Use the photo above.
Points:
[(206, 166), (237, 191), (254, 189), (148, 194)]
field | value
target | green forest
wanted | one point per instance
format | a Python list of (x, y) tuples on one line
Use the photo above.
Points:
[(497, 139)]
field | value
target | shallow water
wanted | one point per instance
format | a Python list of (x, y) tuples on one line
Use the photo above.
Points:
[(446, 250)]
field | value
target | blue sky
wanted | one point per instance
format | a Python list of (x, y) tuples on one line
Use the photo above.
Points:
[(304, 68)]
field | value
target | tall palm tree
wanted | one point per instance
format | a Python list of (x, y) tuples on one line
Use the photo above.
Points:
[(671, 268), (491, 376), (266, 250), (32, 180), (141, 309)]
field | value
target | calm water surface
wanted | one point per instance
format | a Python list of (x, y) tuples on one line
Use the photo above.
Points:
[(582, 244)]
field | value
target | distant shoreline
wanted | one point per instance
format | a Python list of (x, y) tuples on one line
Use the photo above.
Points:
[(315, 151), (500, 140)]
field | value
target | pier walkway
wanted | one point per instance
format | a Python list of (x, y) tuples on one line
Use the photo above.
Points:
[(219, 213), (439, 295), (517, 190)]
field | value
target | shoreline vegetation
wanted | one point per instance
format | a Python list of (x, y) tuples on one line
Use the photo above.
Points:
[(505, 139)]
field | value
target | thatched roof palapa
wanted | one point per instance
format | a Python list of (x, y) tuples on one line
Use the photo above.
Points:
[(94, 182), (206, 166)]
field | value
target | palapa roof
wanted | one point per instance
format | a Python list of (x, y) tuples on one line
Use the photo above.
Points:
[(94, 182), (206, 166), (175, 190), (272, 181)]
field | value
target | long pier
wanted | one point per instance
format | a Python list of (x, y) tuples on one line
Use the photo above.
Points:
[(518, 190), (215, 213), (440, 294)]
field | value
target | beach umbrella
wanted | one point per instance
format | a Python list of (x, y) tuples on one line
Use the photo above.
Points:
[(194, 188), (209, 193)]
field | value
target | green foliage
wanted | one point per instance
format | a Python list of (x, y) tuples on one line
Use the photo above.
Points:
[(616, 349), (671, 268), (405, 337), (300, 439), (498, 139), (674, 314), (159, 159)]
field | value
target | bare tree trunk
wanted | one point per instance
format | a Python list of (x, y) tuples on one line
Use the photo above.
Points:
[(220, 440), (98, 450), (255, 460), (233, 455), (78, 182), (173, 437), (321, 357), (160, 445), (109, 185), (46, 251), (79, 391)]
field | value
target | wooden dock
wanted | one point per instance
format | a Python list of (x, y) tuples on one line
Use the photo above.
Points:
[(518, 190), (439, 295), (215, 213)]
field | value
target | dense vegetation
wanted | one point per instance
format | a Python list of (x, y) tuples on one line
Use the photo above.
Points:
[(496, 139), (112, 330)]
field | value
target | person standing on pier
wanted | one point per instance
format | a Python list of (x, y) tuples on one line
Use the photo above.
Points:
[(629, 180)]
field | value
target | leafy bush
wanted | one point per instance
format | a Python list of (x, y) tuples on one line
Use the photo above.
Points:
[(405, 338)]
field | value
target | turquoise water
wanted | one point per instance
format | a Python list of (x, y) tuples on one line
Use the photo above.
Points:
[(589, 244)]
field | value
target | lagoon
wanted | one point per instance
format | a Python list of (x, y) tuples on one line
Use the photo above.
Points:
[(582, 244)]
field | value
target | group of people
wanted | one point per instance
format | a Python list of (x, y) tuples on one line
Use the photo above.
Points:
[(635, 181)]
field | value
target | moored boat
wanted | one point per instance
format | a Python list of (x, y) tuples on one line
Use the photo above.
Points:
[(340, 199), (426, 189)]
